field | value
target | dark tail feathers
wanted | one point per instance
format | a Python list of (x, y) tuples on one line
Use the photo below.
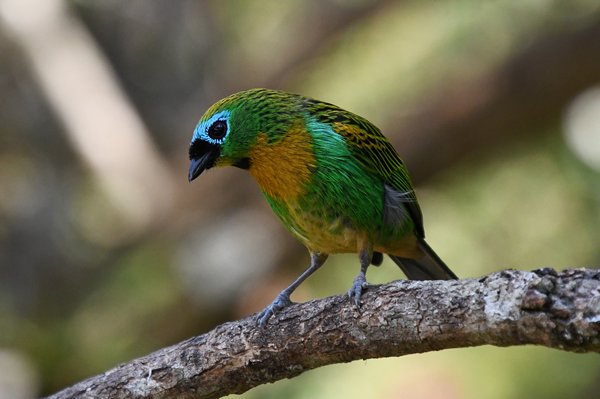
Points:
[(428, 267)]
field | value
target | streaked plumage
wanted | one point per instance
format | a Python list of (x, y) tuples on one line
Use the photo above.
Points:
[(330, 175)]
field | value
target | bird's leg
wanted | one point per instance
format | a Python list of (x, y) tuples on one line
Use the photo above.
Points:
[(283, 299), (360, 281)]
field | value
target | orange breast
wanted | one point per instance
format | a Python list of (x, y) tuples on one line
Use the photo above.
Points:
[(282, 169)]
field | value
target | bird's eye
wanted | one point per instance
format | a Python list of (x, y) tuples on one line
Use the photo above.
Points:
[(217, 130)]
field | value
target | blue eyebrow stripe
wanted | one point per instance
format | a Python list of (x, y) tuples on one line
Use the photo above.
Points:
[(201, 130)]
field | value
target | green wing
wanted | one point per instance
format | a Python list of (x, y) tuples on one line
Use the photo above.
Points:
[(375, 153)]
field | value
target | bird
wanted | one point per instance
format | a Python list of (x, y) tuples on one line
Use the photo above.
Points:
[(331, 177)]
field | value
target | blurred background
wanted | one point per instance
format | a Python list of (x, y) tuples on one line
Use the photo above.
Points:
[(107, 253)]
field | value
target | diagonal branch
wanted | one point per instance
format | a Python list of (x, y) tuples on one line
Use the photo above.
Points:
[(559, 310)]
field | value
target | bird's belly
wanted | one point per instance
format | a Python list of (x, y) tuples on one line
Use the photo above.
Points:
[(339, 235), (330, 237)]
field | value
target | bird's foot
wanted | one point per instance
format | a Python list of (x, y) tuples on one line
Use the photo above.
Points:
[(358, 286), (281, 301)]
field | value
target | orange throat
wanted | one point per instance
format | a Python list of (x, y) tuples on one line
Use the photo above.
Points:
[(283, 169)]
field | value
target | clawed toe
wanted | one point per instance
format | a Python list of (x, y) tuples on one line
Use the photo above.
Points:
[(358, 286), (279, 303)]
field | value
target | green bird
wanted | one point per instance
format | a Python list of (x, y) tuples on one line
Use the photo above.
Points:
[(331, 177)]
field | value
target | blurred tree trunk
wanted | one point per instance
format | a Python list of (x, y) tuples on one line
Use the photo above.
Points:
[(520, 98)]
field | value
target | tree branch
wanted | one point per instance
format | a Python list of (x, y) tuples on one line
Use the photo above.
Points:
[(558, 310)]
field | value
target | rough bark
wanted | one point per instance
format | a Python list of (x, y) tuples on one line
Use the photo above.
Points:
[(555, 309)]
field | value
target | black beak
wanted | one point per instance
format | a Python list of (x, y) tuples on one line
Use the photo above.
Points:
[(197, 166), (202, 156)]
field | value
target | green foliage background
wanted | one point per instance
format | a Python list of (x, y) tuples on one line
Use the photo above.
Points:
[(78, 296)]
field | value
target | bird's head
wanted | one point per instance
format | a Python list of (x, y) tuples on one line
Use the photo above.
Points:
[(228, 130), (216, 138)]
